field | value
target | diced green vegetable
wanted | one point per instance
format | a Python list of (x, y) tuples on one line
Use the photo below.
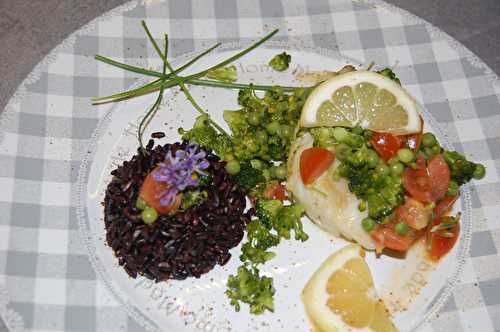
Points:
[(248, 286), (280, 62), (149, 215)]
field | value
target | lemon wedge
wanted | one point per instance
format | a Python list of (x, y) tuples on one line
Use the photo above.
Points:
[(340, 295), (362, 98)]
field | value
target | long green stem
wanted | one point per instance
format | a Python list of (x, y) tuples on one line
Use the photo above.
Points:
[(169, 83), (152, 111), (188, 95)]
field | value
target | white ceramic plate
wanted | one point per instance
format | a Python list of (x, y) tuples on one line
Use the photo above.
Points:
[(200, 304)]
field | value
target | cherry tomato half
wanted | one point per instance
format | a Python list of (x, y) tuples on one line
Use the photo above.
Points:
[(427, 183), (151, 191), (386, 145)]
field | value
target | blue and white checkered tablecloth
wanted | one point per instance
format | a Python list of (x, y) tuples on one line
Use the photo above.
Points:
[(46, 280)]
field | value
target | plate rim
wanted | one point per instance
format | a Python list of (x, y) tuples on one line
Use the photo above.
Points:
[(132, 310)]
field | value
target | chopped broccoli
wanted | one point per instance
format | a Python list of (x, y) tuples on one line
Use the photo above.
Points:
[(259, 240), (236, 120), (204, 134), (289, 219), (248, 177), (193, 197), (280, 62), (268, 210), (323, 136), (249, 287), (224, 74), (462, 170), (390, 74), (283, 219)]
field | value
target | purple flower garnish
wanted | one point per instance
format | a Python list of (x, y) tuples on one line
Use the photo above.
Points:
[(181, 171)]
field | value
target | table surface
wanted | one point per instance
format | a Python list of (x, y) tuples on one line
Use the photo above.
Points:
[(29, 29)]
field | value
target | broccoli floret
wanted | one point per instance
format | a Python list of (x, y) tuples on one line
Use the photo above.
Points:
[(204, 134), (249, 287), (236, 121), (280, 62), (390, 74), (267, 210), (323, 136), (461, 169), (288, 219), (248, 177), (224, 74), (283, 219), (259, 240)]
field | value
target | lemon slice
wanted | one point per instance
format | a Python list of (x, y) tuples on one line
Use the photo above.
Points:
[(362, 98), (340, 295)]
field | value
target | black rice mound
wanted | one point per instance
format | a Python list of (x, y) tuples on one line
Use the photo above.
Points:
[(186, 244)]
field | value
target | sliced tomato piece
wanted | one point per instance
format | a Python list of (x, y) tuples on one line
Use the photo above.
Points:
[(151, 191), (386, 145), (441, 245), (417, 182), (444, 205), (440, 174), (413, 142), (427, 183), (314, 162), (414, 213), (275, 191), (386, 237)]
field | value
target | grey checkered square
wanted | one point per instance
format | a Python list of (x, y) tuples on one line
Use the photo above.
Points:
[(29, 168), (80, 268), (482, 244), (32, 124), (491, 291), (427, 72), (26, 310), (25, 215), (417, 34), (486, 106), (21, 263), (49, 317), (79, 318)]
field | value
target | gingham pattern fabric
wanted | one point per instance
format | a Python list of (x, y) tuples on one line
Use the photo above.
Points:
[(43, 264)]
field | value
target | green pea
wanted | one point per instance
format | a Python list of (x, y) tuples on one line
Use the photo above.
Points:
[(233, 167), (141, 204), (257, 164), (362, 206), (285, 131), (149, 215), (342, 151), (428, 140), (436, 149), (253, 118), (397, 168), (453, 189), (382, 170), (279, 172), (372, 158), (393, 160), (229, 156), (261, 136), (479, 172), (272, 128), (368, 224), (340, 134), (405, 155), (402, 228)]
